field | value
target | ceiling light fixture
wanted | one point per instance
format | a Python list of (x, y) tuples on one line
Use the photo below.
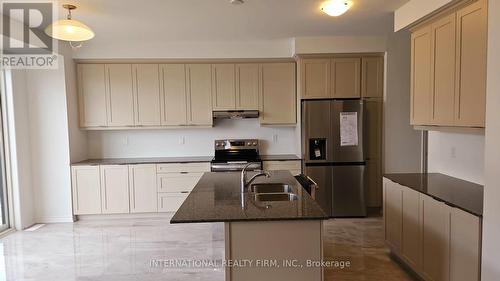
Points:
[(336, 8), (236, 2), (69, 29)]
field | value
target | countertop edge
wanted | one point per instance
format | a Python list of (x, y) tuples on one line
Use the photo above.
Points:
[(280, 157), (391, 176), (180, 159), (172, 221)]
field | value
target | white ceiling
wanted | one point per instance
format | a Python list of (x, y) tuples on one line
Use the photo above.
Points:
[(217, 20)]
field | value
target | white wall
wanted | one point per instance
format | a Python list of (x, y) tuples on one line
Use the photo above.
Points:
[(48, 132), (20, 148), (198, 142), (457, 155), (415, 10), (402, 144), (39, 138), (491, 213), (220, 49), (339, 44), (77, 138)]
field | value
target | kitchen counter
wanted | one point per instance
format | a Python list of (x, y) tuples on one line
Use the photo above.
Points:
[(152, 160), (279, 157), (455, 192), (188, 159), (217, 198)]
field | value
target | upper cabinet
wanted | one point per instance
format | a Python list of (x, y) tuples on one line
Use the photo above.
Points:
[(448, 79), (174, 97), (199, 89), (443, 71), (471, 65), (338, 76), (346, 78), (235, 86), (421, 64), (247, 86), (147, 94), (122, 95), (278, 94), (92, 95), (315, 78), (224, 86), (372, 77)]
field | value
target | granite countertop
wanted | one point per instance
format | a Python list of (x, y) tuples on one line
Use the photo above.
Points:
[(187, 159), (217, 198), (152, 160), (279, 157), (455, 192)]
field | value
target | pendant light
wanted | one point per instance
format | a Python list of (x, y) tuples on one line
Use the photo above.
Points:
[(335, 8), (69, 29)]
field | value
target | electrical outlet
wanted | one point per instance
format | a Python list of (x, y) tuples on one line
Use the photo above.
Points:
[(453, 152), (125, 140), (182, 140), (275, 138)]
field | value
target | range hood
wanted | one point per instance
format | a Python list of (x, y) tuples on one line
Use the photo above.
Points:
[(235, 114)]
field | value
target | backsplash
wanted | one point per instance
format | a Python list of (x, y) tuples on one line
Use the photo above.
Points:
[(457, 155), (188, 142)]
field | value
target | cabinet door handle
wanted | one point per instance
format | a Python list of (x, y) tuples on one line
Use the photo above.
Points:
[(184, 172)]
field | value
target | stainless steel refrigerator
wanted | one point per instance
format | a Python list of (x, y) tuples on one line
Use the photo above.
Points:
[(333, 151)]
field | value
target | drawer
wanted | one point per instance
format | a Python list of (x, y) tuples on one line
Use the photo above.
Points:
[(282, 165), (177, 182), (170, 202), (183, 167)]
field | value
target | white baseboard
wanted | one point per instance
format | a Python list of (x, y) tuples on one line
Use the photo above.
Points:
[(54, 219), (166, 215)]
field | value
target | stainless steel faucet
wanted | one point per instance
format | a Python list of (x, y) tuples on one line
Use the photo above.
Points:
[(244, 182)]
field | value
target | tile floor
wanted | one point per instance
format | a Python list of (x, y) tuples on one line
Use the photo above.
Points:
[(122, 249)]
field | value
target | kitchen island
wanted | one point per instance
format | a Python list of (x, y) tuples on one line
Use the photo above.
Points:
[(279, 236)]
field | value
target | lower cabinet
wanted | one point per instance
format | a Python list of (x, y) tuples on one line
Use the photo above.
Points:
[(141, 188), (411, 244), (294, 166), (175, 182), (393, 214), (170, 202), (465, 246), (86, 190), (437, 241), (143, 195), (114, 189)]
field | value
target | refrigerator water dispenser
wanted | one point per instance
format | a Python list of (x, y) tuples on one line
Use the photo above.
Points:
[(317, 149)]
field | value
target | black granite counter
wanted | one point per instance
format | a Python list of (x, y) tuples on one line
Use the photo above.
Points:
[(455, 192), (279, 157), (159, 160), (152, 160), (217, 198)]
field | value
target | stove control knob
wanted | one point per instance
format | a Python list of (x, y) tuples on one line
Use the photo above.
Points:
[(249, 143), (254, 143)]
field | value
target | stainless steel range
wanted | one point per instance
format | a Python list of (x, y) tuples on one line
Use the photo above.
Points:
[(232, 155)]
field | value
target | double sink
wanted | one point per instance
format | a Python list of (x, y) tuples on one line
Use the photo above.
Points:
[(271, 192)]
